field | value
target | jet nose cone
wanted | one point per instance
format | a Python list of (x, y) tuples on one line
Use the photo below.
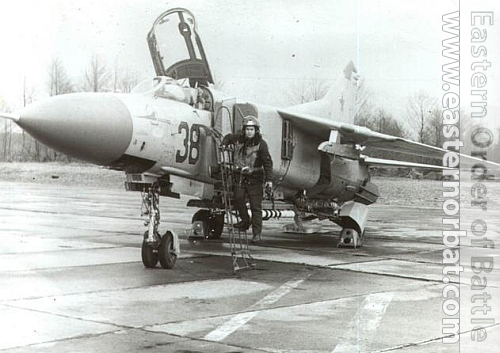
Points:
[(95, 127)]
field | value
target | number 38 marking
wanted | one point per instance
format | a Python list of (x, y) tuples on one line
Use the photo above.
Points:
[(191, 143)]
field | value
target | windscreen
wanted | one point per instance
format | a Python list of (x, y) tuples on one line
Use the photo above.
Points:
[(176, 48)]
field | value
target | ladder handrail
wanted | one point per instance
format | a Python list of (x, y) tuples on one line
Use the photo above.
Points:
[(238, 243)]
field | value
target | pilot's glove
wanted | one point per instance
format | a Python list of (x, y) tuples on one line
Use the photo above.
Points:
[(225, 142), (269, 191)]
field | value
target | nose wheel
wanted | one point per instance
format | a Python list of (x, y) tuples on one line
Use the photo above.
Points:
[(155, 247), (149, 252), (162, 251), (167, 253)]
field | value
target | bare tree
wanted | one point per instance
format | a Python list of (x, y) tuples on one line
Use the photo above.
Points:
[(307, 90), (6, 133), (97, 75), (384, 123), (434, 127), (317, 88), (467, 126), (59, 81), (298, 93), (495, 153), (127, 81), (29, 95), (6, 130), (116, 75), (363, 107), (122, 80), (419, 110)]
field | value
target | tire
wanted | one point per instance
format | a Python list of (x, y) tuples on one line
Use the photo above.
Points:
[(213, 224), (351, 233), (149, 255), (166, 252)]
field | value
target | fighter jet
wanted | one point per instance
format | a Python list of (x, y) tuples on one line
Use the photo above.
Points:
[(166, 137)]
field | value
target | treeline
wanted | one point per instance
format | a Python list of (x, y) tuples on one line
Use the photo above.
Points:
[(21, 147), (16, 145), (422, 121)]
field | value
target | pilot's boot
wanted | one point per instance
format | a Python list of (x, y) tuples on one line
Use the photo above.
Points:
[(255, 196), (256, 238), (242, 225)]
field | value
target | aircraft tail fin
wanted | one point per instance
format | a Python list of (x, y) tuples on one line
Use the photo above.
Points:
[(339, 102)]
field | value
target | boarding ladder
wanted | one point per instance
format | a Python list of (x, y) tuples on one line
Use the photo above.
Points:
[(238, 238)]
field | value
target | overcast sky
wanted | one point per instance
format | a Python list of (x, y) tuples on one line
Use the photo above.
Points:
[(258, 48)]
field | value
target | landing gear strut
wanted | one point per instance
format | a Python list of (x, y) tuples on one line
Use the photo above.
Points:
[(156, 247)]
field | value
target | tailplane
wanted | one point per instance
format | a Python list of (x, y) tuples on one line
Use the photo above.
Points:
[(339, 102)]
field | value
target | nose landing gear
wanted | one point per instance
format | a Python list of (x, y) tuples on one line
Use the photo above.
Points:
[(155, 247)]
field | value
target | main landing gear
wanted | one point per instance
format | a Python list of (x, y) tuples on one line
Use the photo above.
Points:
[(155, 247), (208, 224), (350, 237)]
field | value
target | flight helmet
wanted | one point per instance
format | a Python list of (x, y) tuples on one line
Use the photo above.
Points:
[(250, 120)]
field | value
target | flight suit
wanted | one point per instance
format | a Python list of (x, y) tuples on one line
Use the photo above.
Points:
[(253, 165)]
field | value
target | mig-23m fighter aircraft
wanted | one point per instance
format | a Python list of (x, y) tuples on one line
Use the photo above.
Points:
[(166, 136)]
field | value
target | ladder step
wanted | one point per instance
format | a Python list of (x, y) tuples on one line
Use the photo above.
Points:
[(238, 239)]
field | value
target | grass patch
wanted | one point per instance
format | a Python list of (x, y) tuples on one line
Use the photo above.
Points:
[(393, 191), (77, 174)]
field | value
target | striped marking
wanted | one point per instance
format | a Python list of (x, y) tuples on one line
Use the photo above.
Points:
[(363, 327), (239, 320)]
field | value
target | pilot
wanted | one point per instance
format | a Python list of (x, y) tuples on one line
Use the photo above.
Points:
[(253, 165)]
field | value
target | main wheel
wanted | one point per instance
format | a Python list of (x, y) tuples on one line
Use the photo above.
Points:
[(149, 254), (166, 252), (213, 224), (351, 237)]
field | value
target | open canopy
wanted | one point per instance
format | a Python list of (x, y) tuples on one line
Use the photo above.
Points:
[(176, 48)]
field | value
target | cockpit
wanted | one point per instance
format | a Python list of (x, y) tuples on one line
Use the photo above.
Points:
[(178, 90), (176, 48), (179, 60)]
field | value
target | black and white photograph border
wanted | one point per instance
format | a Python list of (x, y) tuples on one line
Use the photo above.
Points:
[(381, 216)]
